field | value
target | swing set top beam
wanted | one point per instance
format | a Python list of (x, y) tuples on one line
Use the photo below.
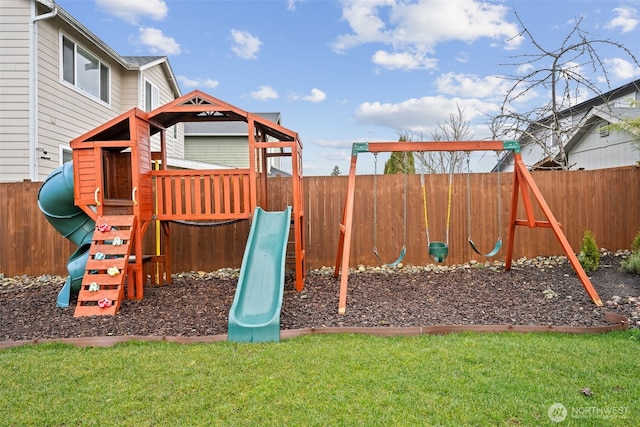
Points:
[(399, 146)]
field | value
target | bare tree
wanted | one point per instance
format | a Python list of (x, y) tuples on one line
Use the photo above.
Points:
[(455, 128), (560, 73)]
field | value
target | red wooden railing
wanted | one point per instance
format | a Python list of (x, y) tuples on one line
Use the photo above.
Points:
[(194, 195)]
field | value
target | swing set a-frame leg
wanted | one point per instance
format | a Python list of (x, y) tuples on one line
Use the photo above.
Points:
[(344, 243), (524, 183)]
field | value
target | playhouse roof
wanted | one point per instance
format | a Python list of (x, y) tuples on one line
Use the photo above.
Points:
[(195, 106), (198, 106)]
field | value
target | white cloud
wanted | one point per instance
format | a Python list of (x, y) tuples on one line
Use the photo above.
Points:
[(525, 68), (334, 143), (133, 11), (472, 86), (206, 83), (264, 92), (626, 19), (462, 57), (403, 61), (245, 45), (291, 4), (315, 96), (622, 69), (420, 114), (414, 26), (157, 42)]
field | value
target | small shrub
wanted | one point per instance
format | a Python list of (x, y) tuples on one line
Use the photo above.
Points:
[(589, 255), (635, 245), (631, 264)]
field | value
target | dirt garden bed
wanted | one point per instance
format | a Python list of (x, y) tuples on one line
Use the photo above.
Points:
[(541, 291)]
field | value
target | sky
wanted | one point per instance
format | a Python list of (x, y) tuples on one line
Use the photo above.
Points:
[(349, 71)]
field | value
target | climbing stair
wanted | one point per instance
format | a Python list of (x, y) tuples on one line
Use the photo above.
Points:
[(102, 289)]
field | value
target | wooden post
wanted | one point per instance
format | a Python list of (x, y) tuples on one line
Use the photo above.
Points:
[(344, 245)]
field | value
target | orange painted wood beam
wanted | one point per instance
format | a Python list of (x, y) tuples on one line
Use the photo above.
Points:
[(384, 147), (524, 175)]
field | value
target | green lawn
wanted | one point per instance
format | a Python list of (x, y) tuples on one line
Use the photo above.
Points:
[(328, 380)]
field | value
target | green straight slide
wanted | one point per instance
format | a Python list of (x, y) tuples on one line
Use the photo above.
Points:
[(255, 312), (55, 200)]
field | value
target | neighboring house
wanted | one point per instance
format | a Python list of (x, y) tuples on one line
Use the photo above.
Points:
[(58, 80), (594, 147), (226, 143), (588, 145)]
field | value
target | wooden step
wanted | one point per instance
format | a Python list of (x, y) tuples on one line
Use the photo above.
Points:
[(90, 310), (110, 294), (104, 264), (101, 279)]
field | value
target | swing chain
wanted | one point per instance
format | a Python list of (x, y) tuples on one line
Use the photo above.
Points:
[(404, 221), (424, 207), (499, 197), (468, 195), (375, 205), (498, 244), (449, 201)]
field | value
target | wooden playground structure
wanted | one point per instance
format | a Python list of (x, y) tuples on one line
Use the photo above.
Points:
[(117, 185), (524, 187)]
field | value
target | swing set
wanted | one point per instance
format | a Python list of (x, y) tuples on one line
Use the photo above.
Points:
[(522, 183)]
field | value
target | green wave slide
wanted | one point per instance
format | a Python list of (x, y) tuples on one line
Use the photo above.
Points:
[(255, 312), (55, 200)]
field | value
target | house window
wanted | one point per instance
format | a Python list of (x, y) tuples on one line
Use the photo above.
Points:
[(65, 154), (84, 71), (151, 96), (604, 130)]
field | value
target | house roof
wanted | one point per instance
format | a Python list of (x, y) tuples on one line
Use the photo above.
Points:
[(601, 101), (143, 60), (130, 63), (225, 128)]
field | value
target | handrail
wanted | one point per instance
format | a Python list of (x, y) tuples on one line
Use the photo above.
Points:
[(202, 195)]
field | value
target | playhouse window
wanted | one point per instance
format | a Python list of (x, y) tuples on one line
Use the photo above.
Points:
[(83, 70)]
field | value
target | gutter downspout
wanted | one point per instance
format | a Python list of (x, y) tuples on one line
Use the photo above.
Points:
[(33, 86)]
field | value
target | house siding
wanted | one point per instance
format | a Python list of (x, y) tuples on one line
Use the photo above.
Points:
[(590, 154), (64, 112), (129, 90), (221, 150), (599, 152), (157, 76), (14, 90)]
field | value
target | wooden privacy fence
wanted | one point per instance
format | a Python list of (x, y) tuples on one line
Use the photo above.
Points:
[(607, 202)]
